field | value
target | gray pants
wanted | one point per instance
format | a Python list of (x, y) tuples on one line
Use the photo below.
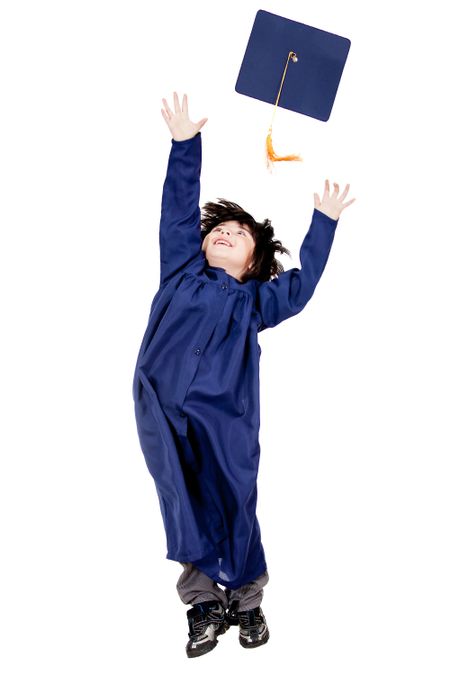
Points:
[(194, 586)]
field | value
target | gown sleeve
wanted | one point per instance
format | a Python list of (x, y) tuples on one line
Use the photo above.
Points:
[(179, 230), (288, 294)]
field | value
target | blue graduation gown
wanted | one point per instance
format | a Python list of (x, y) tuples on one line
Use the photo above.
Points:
[(196, 382)]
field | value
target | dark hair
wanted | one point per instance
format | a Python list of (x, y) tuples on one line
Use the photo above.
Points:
[(264, 264)]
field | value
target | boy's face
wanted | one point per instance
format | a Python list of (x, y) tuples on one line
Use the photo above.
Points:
[(230, 245)]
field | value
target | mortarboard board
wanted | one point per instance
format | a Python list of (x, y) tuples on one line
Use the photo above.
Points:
[(293, 66)]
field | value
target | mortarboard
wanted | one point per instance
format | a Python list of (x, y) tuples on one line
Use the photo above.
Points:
[(293, 66)]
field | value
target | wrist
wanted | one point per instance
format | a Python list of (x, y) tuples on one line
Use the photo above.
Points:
[(184, 139), (333, 217)]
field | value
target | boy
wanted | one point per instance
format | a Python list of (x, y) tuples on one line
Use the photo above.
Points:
[(196, 383)]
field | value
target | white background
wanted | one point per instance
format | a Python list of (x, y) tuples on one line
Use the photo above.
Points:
[(354, 473)]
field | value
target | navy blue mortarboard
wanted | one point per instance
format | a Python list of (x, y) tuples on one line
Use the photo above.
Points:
[(293, 66)]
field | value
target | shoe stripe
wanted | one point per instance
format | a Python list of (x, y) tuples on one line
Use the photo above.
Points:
[(208, 636)]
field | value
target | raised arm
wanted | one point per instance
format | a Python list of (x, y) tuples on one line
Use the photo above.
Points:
[(288, 294), (179, 232)]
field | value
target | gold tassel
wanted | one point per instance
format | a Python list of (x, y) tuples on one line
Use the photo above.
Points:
[(270, 152), (272, 155)]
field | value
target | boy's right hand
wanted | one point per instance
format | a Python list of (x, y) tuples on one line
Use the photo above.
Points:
[(178, 122)]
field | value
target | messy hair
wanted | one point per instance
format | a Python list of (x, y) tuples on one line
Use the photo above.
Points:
[(264, 265)]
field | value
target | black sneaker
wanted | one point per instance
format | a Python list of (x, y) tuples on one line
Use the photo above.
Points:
[(206, 621), (253, 630)]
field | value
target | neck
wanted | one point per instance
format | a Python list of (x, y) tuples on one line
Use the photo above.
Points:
[(232, 271)]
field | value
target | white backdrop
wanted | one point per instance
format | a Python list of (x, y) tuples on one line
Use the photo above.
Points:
[(354, 473)]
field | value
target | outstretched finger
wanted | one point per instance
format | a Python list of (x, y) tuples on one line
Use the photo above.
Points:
[(176, 102), (349, 202), (345, 193), (185, 105), (167, 108), (201, 123), (326, 190), (336, 188)]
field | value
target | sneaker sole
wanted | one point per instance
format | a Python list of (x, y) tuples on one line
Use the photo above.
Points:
[(258, 643)]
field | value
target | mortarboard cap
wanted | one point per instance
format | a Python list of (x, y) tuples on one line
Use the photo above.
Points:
[(292, 65)]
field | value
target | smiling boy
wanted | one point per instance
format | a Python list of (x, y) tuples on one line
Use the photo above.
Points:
[(196, 384)]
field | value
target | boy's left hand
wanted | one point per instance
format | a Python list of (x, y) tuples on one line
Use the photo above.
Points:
[(332, 205)]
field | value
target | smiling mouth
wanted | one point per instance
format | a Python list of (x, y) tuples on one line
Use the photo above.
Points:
[(222, 242)]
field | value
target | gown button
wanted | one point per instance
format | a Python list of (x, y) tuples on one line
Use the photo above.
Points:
[(197, 351), (224, 287)]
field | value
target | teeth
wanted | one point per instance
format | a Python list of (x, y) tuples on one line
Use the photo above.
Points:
[(222, 242)]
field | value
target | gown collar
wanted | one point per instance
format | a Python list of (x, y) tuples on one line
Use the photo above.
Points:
[(219, 274)]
